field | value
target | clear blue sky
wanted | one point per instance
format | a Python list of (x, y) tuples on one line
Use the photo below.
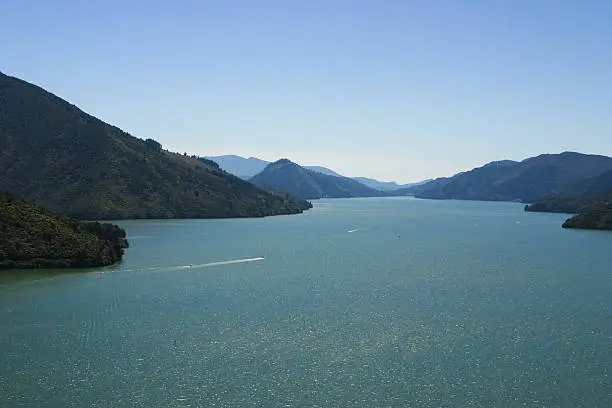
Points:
[(400, 90)]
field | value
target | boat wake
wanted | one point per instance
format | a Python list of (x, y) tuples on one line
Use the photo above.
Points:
[(197, 266), (233, 261)]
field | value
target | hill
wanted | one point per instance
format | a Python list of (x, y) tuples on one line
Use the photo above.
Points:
[(71, 163), (572, 204), (35, 238), (418, 188), (592, 219), (526, 181), (388, 186), (590, 199), (593, 185), (284, 175), (247, 168), (592, 193)]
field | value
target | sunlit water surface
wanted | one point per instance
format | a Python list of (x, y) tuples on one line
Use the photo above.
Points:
[(356, 303)]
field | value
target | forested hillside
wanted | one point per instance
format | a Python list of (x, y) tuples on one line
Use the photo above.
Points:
[(57, 156)]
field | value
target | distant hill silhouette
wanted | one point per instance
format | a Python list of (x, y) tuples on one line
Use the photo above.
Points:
[(32, 237), (284, 175), (526, 181), (416, 189), (57, 156), (388, 186), (246, 168)]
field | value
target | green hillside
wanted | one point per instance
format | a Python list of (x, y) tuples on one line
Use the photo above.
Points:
[(57, 156), (594, 219), (32, 237)]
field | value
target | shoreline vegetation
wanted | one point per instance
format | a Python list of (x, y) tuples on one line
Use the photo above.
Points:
[(591, 211), (34, 238), (594, 219)]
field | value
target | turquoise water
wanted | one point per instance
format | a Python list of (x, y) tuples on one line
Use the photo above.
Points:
[(356, 303)]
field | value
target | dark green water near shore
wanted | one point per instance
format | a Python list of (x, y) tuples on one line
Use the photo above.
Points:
[(356, 303)]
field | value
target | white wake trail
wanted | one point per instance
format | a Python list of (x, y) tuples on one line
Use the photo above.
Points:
[(197, 266), (233, 261)]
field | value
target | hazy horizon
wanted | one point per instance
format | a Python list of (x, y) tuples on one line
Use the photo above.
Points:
[(391, 180), (397, 91)]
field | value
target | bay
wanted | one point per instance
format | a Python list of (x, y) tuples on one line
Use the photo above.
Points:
[(391, 302)]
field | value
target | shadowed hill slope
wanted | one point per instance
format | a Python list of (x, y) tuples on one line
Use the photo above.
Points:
[(529, 180), (57, 156), (284, 175)]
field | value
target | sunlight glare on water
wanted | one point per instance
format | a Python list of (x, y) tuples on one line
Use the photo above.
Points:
[(356, 303)]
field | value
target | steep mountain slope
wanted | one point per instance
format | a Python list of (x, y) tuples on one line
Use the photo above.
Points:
[(32, 237), (532, 179), (593, 185), (286, 176), (589, 194), (57, 156), (590, 200)]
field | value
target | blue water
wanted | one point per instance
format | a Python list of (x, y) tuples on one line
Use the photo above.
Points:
[(356, 303)]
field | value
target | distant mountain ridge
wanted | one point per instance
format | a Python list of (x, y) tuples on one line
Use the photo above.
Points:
[(55, 155), (286, 176), (526, 181), (387, 186), (323, 170), (246, 168)]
